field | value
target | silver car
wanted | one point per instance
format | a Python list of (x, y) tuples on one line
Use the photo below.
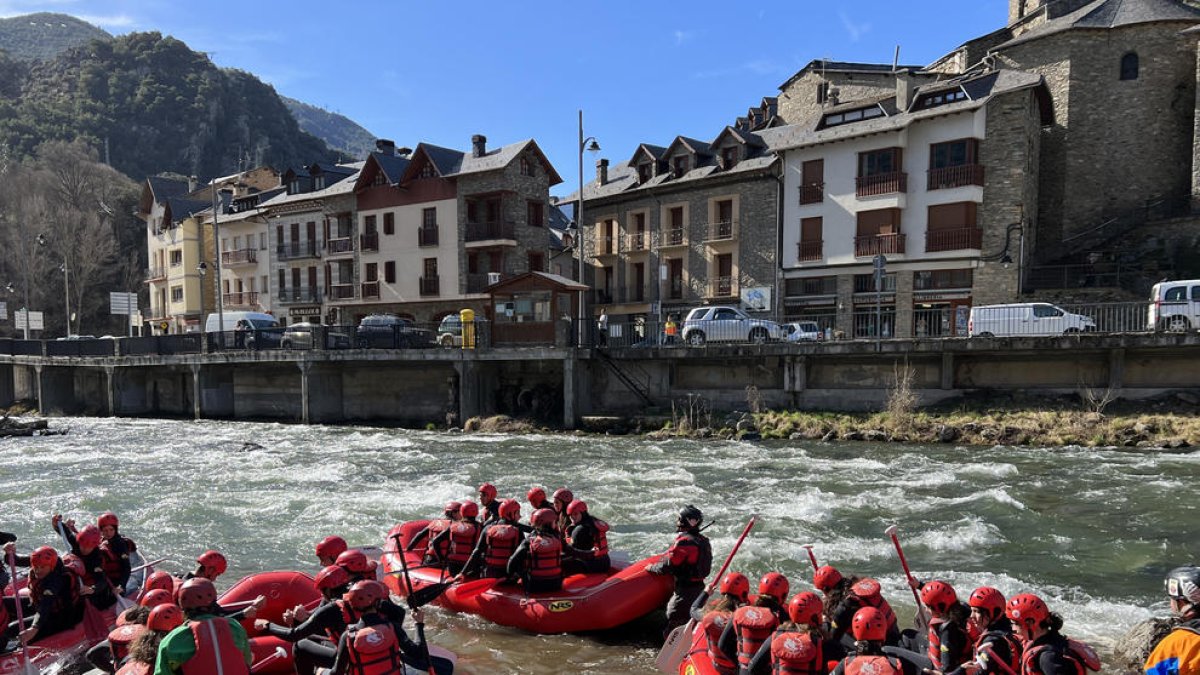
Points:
[(723, 323), (300, 336)]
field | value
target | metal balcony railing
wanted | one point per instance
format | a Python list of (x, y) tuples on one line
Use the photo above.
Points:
[(242, 256), (954, 239), (370, 289), (638, 241), (492, 230), (812, 193), (241, 299), (672, 237), (297, 250), (370, 241), (881, 184), (427, 235), (811, 250), (339, 245), (955, 176), (156, 273), (299, 295), (876, 244), (721, 287), (721, 231), (606, 245), (342, 291), (430, 286)]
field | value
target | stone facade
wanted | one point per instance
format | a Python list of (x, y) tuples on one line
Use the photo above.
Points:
[(800, 103)]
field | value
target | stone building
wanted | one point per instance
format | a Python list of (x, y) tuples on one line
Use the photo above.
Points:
[(686, 224)]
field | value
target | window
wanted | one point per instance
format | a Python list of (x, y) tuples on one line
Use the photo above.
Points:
[(537, 261), (680, 165), (1129, 66), (822, 92), (282, 281), (1046, 311), (427, 171), (877, 222), (879, 162), (865, 283), (526, 167), (429, 217), (262, 241), (176, 258), (371, 272), (810, 238), (537, 217), (729, 157), (812, 181), (834, 119), (319, 183), (177, 294), (645, 172), (430, 267), (265, 284), (940, 98), (810, 286), (952, 216), (378, 179), (953, 153), (389, 271), (931, 280), (369, 224), (389, 223), (237, 243)]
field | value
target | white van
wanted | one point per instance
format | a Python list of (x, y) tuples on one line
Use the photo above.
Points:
[(1025, 319), (257, 320), (1174, 305)]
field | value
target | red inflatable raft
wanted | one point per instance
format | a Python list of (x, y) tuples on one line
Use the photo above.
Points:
[(587, 602), (697, 661)]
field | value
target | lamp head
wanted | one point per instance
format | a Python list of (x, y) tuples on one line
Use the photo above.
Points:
[(594, 146), (1006, 260), (202, 268)]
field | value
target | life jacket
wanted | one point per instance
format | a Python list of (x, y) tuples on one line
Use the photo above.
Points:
[(121, 637), (935, 644), (61, 605), (500, 542), (373, 650), (545, 557), (216, 652), (600, 547), (463, 535), (136, 668), (878, 602), (349, 618), (795, 653), (994, 636), (713, 624), (871, 665), (111, 562), (752, 625), (437, 527), (697, 570), (1080, 654)]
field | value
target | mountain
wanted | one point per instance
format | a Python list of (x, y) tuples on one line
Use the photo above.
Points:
[(150, 104), (43, 36), (338, 131)]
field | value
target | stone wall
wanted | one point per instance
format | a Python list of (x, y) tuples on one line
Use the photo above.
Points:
[(798, 99)]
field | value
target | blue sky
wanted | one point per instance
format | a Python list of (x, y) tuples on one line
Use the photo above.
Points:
[(641, 71)]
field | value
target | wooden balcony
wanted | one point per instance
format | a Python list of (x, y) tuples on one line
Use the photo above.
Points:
[(955, 176), (241, 300), (242, 256), (370, 289), (812, 193), (955, 239), (430, 286), (876, 244), (811, 250), (490, 231), (427, 236), (340, 246), (881, 184), (722, 231), (370, 241), (672, 237), (637, 241)]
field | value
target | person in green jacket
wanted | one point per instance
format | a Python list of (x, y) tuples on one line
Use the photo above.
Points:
[(207, 642)]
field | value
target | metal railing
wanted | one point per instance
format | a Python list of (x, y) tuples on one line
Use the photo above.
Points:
[(638, 241), (881, 184), (721, 287), (606, 245), (811, 250), (721, 231), (878, 244), (489, 230), (478, 283), (427, 235), (242, 256), (953, 239), (812, 193), (955, 176), (155, 273), (430, 286), (370, 289), (339, 246), (342, 291), (369, 241), (673, 236), (241, 299), (297, 295), (298, 250)]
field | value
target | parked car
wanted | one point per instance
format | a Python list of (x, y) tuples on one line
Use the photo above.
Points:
[(1025, 319), (1174, 305), (449, 332), (803, 331), (77, 337), (388, 331), (300, 336), (723, 323)]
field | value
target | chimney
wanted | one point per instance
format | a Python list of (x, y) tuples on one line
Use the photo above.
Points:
[(192, 180), (602, 172), (478, 145), (906, 87), (403, 152), (385, 146)]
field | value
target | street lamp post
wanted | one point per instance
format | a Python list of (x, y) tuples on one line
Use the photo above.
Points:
[(579, 239), (66, 293), (202, 270)]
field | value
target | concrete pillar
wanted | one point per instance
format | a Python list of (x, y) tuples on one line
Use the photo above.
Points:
[(845, 305), (571, 413), (197, 393), (947, 370), (56, 390), (305, 416), (795, 374), (1116, 369), (8, 387), (110, 388), (469, 402), (904, 304)]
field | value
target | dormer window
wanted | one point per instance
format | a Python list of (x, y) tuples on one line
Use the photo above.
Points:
[(680, 165), (857, 115), (645, 172), (294, 187), (379, 179), (428, 172), (940, 98), (729, 157), (319, 183)]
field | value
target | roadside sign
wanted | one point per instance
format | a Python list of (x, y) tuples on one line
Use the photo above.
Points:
[(3, 311), (880, 269), (122, 303), (34, 319)]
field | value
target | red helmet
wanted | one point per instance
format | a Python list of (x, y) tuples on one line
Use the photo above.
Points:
[(577, 508), (88, 537), (364, 594), (510, 509), (487, 491), (543, 518), (43, 556), (1027, 608), (869, 624), (159, 580), (868, 589), (775, 585), (734, 583), (215, 560), (355, 561), (331, 577), (805, 608), (165, 618), (75, 564), (469, 509), (452, 508), (826, 577), (156, 597), (564, 495), (988, 599), (107, 519), (536, 495), (197, 592), (938, 595), (331, 547)]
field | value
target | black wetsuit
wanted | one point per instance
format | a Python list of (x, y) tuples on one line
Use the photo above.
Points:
[(583, 539)]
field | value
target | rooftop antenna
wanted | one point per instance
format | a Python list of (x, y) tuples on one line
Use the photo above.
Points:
[(896, 59)]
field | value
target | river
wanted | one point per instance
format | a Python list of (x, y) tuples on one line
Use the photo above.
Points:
[(1092, 531)]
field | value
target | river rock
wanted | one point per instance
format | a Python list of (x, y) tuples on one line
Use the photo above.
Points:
[(853, 436), (947, 433), (876, 435), (746, 424), (795, 436), (1132, 649), (830, 435)]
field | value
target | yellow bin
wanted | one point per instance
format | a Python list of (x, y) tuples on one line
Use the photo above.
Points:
[(467, 318)]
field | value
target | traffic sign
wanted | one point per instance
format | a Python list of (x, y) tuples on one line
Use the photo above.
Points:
[(3, 311), (34, 319), (122, 303)]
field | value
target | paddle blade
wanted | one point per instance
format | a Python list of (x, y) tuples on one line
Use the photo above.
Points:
[(675, 648), (423, 596), (474, 588)]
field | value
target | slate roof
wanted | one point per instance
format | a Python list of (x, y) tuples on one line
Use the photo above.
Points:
[(1103, 14), (182, 207), (846, 67), (450, 162), (343, 186), (392, 166), (164, 188)]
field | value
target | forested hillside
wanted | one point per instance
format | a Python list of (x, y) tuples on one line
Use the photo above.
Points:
[(43, 36)]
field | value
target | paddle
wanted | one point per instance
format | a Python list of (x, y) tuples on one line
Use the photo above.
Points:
[(26, 667), (921, 661), (279, 653), (675, 647), (420, 624), (811, 558), (891, 532)]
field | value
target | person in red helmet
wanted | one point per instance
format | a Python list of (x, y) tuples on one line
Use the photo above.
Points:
[(1046, 651), (713, 617), (753, 624), (436, 556), (109, 654), (489, 504), (85, 545), (689, 560), (798, 645), (53, 593), (997, 651), (329, 548), (144, 649), (460, 538), (497, 542), (316, 638), (537, 499), (948, 645), (206, 642), (562, 499), (209, 565), (116, 549), (587, 540), (538, 559), (869, 628), (376, 644), (357, 564), (1179, 651), (158, 580), (852, 594)]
